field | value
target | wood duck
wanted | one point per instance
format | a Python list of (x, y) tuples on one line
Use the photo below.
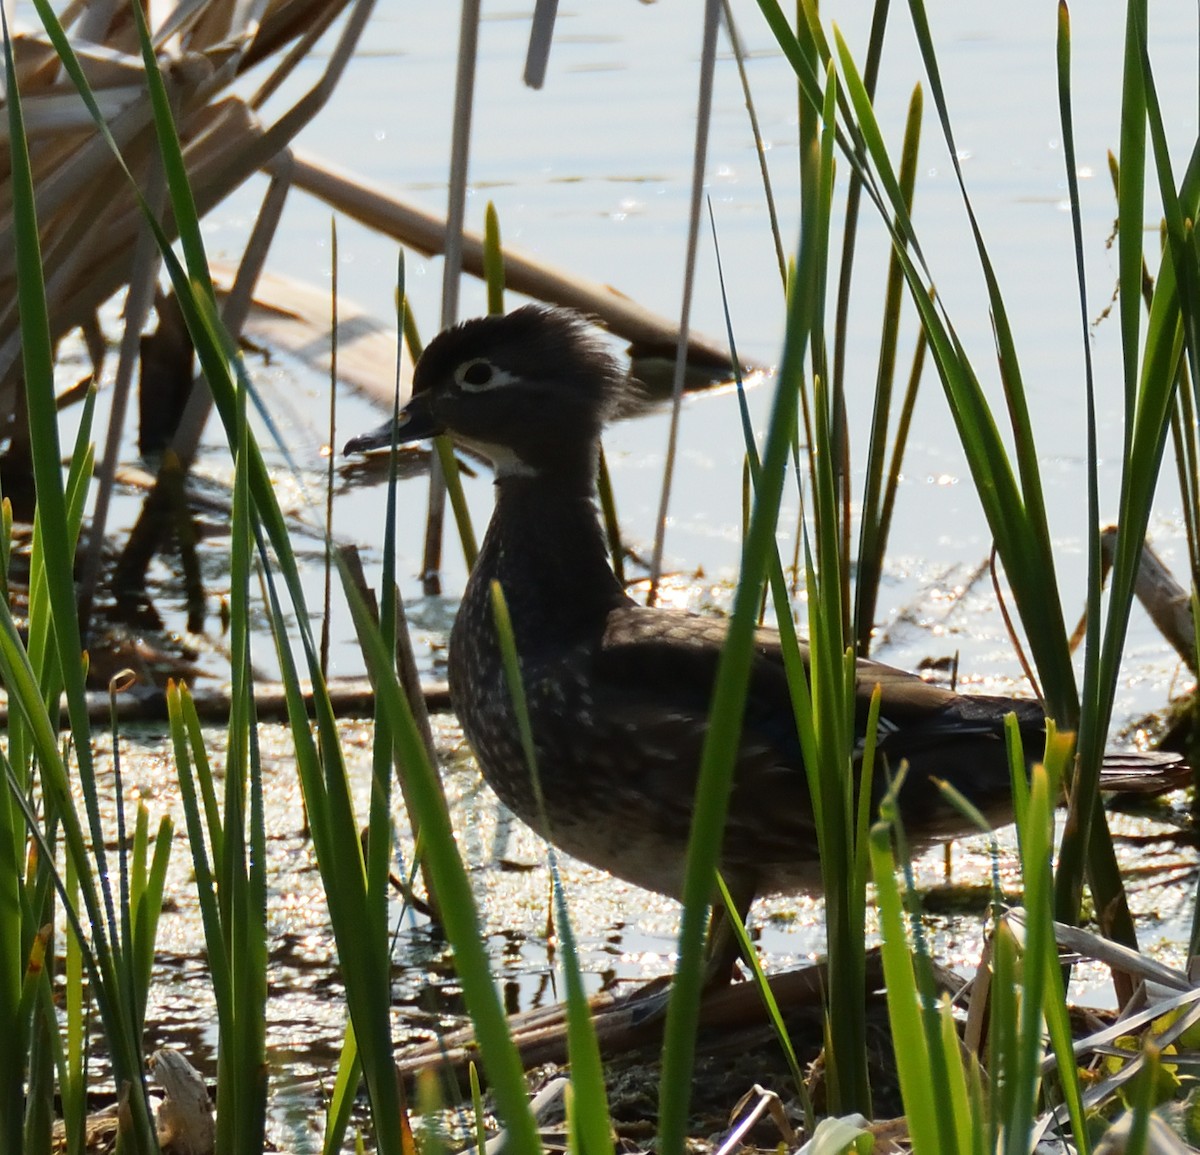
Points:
[(618, 694)]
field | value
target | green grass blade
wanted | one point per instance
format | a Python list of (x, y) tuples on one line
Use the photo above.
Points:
[(1149, 411), (501, 1060), (767, 996), (1130, 202), (149, 884), (444, 448), (477, 1108), (875, 515), (590, 1125), (341, 1098), (723, 734), (612, 524), (1071, 862), (242, 1122), (493, 260), (904, 1012), (363, 944)]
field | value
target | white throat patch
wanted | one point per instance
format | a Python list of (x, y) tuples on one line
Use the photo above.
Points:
[(504, 461)]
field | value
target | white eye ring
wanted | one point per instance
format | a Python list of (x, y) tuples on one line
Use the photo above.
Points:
[(495, 379)]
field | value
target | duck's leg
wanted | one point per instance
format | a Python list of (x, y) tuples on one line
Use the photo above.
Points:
[(724, 948)]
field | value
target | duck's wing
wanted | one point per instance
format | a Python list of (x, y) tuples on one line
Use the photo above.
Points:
[(654, 671), (654, 674), (657, 668), (652, 682), (668, 659)]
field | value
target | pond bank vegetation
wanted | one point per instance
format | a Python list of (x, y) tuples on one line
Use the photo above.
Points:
[(999, 1064)]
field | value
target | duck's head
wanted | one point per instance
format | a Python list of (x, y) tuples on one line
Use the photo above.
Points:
[(529, 390)]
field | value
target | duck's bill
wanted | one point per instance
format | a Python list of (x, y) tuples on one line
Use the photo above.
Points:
[(416, 423)]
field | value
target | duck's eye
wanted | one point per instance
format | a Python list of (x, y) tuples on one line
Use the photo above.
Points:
[(477, 374)]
